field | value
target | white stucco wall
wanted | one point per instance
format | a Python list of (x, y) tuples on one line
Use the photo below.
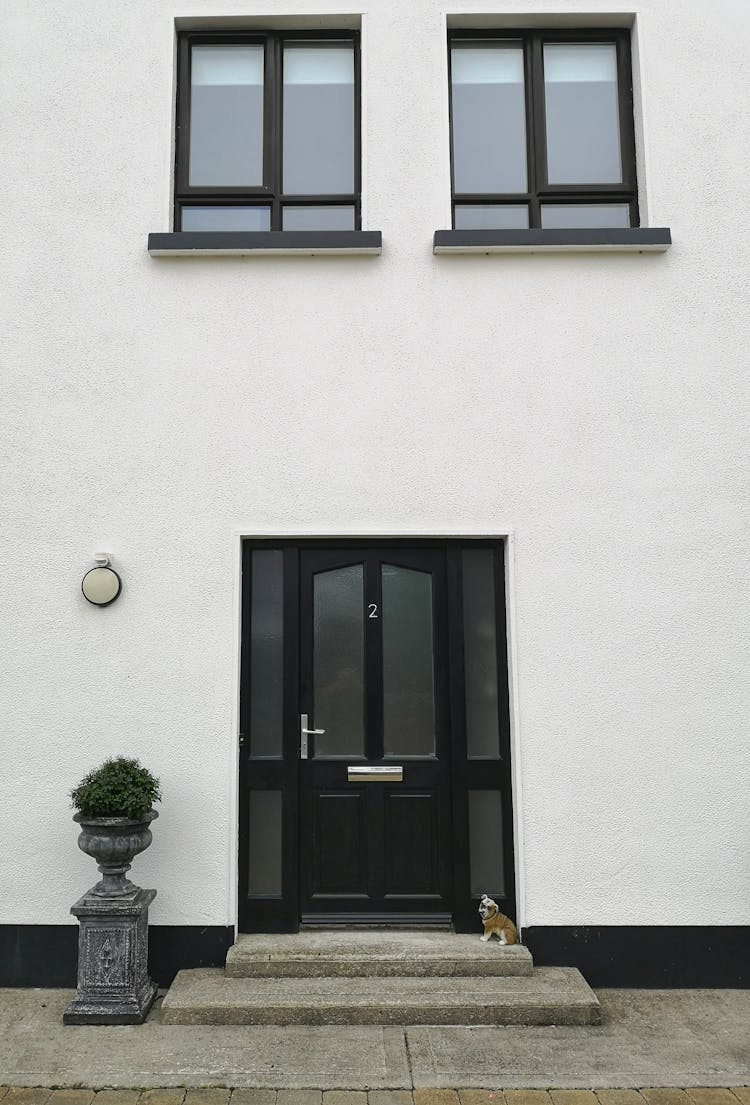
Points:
[(590, 404)]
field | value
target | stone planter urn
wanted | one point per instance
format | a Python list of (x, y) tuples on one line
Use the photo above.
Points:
[(114, 842), (113, 982)]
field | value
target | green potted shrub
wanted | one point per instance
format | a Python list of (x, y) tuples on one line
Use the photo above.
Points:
[(114, 807)]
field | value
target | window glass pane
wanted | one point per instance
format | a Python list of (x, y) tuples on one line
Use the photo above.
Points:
[(226, 115), (480, 654), (339, 662), (489, 118), (486, 843), (499, 216), (318, 218), (581, 101), (559, 216), (408, 696), (266, 653), (318, 138), (264, 844), (226, 218)]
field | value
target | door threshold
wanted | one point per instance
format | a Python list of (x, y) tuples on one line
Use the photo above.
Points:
[(440, 921)]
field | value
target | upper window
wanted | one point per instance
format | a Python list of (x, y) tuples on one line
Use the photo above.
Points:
[(542, 131), (268, 132)]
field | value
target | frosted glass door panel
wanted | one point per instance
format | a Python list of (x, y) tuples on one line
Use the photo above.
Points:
[(408, 664), (339, 661), (318, 128), (226, 116), (264, 839), (480, 654), (489, 118), (486, 842), (266, 654), (581, 102)]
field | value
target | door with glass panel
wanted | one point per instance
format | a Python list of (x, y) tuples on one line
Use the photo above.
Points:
[(374, 770), (374, 760)]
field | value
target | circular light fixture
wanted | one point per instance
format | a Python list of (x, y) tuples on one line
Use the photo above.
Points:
[(101, 585)]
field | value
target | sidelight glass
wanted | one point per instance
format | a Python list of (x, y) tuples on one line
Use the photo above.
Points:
[(226, 116), (582, 113), (266, 654), (486, 842), (480, 654), (339, 661), (488, 102), (408, 664), (318, 118), (264, 843)]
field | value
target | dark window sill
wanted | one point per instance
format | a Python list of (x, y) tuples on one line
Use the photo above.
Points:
[(266, 243), (618, 240)]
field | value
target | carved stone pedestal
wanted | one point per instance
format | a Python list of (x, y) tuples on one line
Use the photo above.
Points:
[(113, 982)]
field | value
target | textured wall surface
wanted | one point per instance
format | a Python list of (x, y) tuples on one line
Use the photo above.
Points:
[(592, 404)]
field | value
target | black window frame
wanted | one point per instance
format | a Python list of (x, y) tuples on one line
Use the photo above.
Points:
[(269, 193), (540, 191)]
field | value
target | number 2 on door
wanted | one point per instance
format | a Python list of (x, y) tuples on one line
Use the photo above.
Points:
[(373, 608)]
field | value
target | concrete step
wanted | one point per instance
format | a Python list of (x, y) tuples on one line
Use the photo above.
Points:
[(553, 995), (373, 954)]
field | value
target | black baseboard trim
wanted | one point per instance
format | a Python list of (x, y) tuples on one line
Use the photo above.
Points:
[(647, 957), (47, 955)]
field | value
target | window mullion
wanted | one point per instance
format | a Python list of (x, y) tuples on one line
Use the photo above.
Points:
[(537, 125)]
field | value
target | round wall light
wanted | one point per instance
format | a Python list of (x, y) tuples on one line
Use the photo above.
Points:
[(101, 585)]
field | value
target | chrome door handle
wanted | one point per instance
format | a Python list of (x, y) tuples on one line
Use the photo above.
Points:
[(303, 735)]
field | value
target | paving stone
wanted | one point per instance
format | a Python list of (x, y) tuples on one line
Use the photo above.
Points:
[(344, 1097), (481, 1097), (389, 1097), (573, 1097), (743, 1093), (26, 1095), (620, 1097), (71, 1097), (162, 1097), (254, 1097), (205, 1097), (436, 1097), (713, 1096), (665, 1095), (527, 1097), (299, 1097), (117, 1097)]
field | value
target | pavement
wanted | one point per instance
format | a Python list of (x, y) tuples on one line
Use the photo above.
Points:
[(649, 1040)]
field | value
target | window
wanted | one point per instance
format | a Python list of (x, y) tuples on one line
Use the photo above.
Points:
[(542, 131), (268, 132)]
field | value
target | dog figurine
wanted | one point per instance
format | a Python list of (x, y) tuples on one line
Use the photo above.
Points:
[(496, 923)]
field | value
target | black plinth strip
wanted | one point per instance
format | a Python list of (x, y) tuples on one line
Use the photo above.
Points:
[(248, 243), (638, 239)]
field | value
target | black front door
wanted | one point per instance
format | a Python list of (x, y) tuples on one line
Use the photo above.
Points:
[(375, 804), (396, 805)]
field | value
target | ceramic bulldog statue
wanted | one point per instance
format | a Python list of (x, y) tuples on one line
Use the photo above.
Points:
[(496, 923)]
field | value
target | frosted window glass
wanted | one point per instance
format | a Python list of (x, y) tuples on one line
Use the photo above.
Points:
[(489, 118), (339, 662), (480, 654), (582, 112), (559, 216), (266, 653), (408, 694), (226, 218), (264, 844), (226, 116), (318, 126), (486, 843), (318, 218), (499, 216)]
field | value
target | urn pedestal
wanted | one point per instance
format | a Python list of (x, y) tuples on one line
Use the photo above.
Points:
[(113, 982)]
